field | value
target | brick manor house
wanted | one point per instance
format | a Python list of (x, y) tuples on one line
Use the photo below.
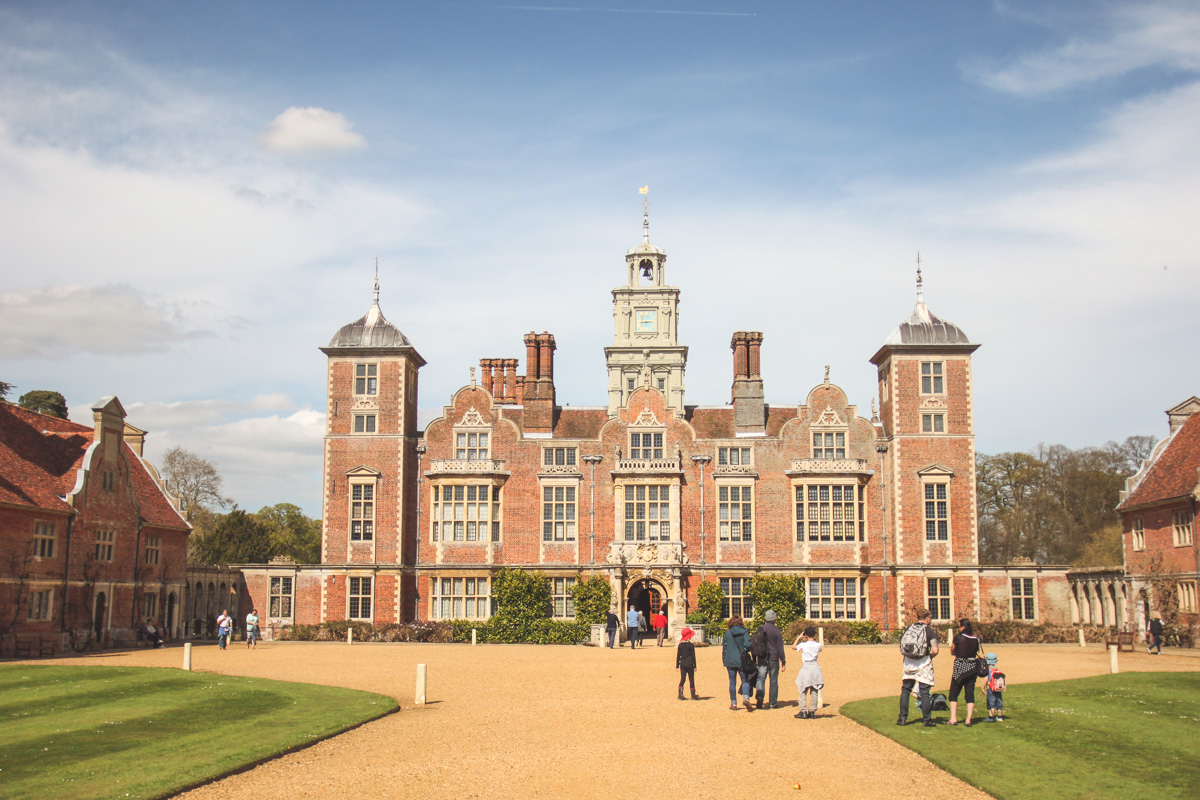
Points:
[(876, 514)]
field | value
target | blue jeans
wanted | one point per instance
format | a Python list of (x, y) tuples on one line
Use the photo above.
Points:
[(1156, 643), (633, 636), (769, 670), (223, 637), (995, 700), (924, 701), (612, 637), (735, 674)]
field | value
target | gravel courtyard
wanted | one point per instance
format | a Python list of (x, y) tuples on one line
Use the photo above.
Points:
[(529, 721)]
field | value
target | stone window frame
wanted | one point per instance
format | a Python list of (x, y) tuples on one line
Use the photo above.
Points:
[(360, 589), (559, 489), (366, 376), (828, 447), (41, 605), (366, 423), (106, 542), (939, 603), (1023, 595), (933, 375), (362, 498), (149, 605), (933, 422), (281, 596), (739, 600), (457, 585), (153, 549), (803, 507), (727, 456), (44, 537), (823, 605), (657, 447), (1183, 527), (932, 477), (1188, 597), (726, 507), (1138, 528), (108, 480), (562, 605), (623, 510), (438, 505), (554, 456), (467, 448)]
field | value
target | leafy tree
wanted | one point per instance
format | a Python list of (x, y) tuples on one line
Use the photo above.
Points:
[(783, 594), (592, 597), (194, 480), (44, 401), (1104, 549), (521, 597), (292, 534), (5, 388), (709, 601), (238, 538)]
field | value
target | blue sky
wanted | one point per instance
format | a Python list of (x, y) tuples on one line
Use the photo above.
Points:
[(193, 197)]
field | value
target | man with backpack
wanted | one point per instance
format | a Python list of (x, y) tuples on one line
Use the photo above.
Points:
[(918, 645), (767, 646)]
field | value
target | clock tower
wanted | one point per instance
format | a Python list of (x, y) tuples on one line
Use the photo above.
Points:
[(645, 348)]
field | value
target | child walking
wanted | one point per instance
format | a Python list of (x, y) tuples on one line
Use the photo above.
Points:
[(685, 661), (995, 690), (810, 680)]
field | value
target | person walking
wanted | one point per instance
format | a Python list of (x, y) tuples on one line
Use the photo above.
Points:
[(776, 660), (611, 625), (685, 661), (252, 629), (995, 689), (659, 621), (224, 629), (965, 649), (733, 645), (919, 645), (631, 625), (1155, 631), (810, 681)]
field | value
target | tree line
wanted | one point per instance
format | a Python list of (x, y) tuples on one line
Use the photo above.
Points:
[(1055, 505)]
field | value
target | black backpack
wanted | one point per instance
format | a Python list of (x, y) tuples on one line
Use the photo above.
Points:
[(759, 646)]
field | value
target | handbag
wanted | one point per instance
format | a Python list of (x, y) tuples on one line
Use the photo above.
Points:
[(981, 667)]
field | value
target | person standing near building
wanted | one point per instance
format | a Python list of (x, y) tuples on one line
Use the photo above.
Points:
[(810, 681), (1155, 634), (252, 629), (631, 625), (965, 648), (919, 645), (685, 661), (611, 625), (733, 645), (224, 629), (659, 621), (776, 660)]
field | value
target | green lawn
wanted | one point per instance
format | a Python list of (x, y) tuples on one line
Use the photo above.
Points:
[(84, 732), (1115, 736)]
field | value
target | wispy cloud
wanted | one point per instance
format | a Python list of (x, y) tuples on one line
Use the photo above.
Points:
[(1130, 37), (630, 11)]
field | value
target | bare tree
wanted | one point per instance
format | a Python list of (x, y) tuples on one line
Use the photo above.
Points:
[(194, 480)]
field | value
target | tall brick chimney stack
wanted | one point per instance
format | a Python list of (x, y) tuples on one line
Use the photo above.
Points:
[(539, 383), (485, 375), (749, 408)]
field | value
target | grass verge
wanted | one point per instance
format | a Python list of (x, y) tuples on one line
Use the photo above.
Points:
[(92, 732), (1114, 736)]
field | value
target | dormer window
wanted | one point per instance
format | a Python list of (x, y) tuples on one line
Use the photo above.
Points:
[(471, 446), (646, 446), (829, 444)]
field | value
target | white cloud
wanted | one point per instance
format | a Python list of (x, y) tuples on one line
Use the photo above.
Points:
[(1133, 37), (300, 131), (158, 416), (110, 320)]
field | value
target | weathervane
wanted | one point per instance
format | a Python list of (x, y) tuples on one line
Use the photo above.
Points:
[(920, 293), (376, 279), (645, 193)]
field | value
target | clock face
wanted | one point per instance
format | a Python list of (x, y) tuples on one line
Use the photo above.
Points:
[(647, 321)]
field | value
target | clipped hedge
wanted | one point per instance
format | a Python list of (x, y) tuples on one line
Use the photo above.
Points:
[(335, 631), (837, 631), (540, 631)]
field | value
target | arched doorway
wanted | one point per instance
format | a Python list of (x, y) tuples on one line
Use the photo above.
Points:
[(650, 597), (100, 616)]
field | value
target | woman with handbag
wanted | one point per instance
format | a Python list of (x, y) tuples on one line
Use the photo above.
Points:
[(966, 669), (734, 646)]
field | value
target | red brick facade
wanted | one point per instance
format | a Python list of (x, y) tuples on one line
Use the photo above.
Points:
[(90, 543)]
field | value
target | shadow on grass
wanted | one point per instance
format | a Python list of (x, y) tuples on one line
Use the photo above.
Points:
[(1109, 737)]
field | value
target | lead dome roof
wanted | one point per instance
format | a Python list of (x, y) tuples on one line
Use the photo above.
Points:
[(371, 330)]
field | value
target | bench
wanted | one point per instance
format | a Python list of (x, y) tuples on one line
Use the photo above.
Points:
[(25, 647), (1124, 641)]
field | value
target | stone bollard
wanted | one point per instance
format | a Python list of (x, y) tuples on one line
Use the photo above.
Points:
[(1082, 641), (187, 656), (421, 676), (1112, 659), (349, 635), (821, 636), (820, 699), (473, 640)]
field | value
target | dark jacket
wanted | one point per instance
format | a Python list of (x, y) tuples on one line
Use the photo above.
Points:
[(733, 645), (1156, 626), (774, 642), (612, 623), (685, 655)]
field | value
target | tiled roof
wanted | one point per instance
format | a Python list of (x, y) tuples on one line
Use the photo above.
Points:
[(580, 423), (713, 423), (40, 458), (1173, 473)]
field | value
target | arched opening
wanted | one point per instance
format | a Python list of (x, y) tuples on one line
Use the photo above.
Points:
[(649, 596), (101, 615)]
